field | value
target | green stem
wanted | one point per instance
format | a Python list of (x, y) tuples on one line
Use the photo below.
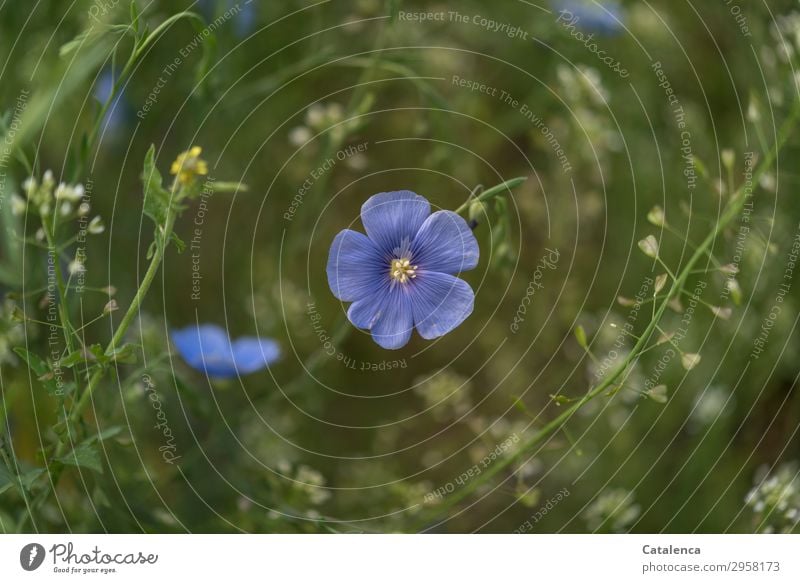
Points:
[(492, 192), (63, 312), (130, 314), (116, 339)]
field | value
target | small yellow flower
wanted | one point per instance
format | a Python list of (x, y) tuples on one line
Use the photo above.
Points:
[(189, 165)]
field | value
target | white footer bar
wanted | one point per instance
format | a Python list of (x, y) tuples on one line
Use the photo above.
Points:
[(406, 558)]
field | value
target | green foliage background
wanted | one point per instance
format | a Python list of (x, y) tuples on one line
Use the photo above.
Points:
[(313, 445)]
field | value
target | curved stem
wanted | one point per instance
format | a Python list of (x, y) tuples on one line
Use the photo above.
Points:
[(492, 192)]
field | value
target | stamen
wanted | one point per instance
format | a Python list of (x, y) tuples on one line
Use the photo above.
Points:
[(401, 270)]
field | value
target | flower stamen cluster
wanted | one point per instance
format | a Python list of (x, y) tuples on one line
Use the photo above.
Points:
[(401, 270)]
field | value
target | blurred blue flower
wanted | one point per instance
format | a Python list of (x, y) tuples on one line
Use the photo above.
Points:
[(208, 348), (604, 17), (400, 275)]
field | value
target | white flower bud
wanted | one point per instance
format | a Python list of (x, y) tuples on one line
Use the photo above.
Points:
[(75, 267), (18, 205), (29, 185), (728, 158), (335, 113), (299, 136), (69, 193), (315, 116)]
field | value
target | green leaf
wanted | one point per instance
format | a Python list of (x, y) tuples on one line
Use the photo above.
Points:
[(181, 246), (73, 358), (41, 369), (580, 336), (135, 13), (90, 354), (6, 523), (156, 197), (107, 433), (70, 47), (125, 354), (9, 480), (503, 256)]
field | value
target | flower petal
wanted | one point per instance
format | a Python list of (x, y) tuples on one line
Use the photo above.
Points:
[(392, 219), (251, 353), (393, 326), (387, 314), (445, 243), (208, 349), (354, 266), (440, 302), (364, 313)]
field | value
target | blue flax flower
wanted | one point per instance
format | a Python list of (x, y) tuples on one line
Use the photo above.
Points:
[(604, 18), (208, 348), (401, 274)]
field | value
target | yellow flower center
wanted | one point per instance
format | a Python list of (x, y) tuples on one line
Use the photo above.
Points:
[(401, 270)]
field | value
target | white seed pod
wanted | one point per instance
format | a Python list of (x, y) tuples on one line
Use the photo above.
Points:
[(656, 216), (96, 226), (690, 360), (315, 116)]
